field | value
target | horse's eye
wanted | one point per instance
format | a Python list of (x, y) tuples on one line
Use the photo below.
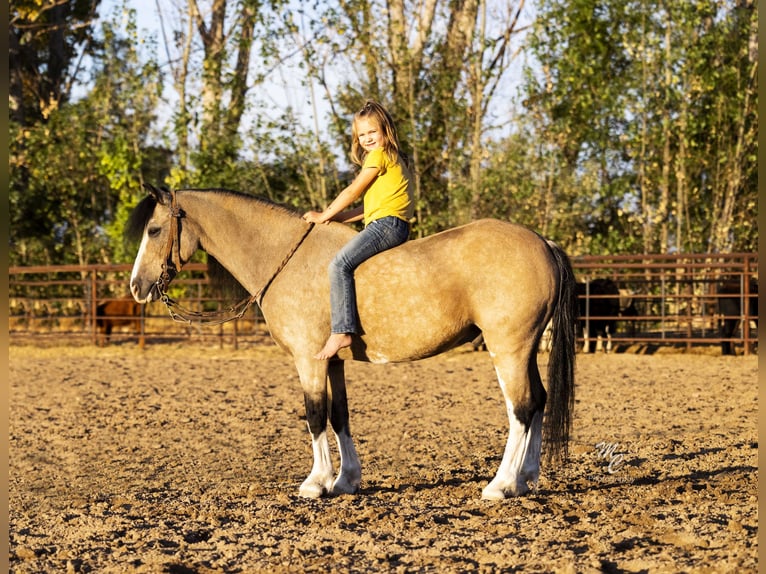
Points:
[(154, 231)]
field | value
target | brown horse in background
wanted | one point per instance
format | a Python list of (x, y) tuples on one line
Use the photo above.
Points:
[(117, 313), (414, 301)]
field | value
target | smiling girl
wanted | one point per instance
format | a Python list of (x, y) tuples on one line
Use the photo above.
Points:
[(385, 182)]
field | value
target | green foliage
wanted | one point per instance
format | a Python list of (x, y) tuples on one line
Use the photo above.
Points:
[(55, 211), (638, 131), (648, 111), (74, 176)]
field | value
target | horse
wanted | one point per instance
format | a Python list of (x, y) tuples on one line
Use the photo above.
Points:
[(731, 309), (419, 299), (599, 302), (117, 313)]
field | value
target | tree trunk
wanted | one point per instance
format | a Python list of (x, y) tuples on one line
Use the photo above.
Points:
[(213, 42)]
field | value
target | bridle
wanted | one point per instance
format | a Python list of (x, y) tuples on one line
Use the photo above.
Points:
[(170, 270), (169, 267)]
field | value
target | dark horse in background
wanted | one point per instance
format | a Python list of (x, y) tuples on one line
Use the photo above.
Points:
[(599, 298), (117, 313), (730, 309), (414, 301)]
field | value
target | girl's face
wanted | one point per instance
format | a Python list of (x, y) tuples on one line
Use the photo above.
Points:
[(369, 134)]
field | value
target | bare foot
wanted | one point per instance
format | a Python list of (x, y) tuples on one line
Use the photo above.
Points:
[(335, 343)]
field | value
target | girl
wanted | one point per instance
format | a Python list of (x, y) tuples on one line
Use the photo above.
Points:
[(384, 180)]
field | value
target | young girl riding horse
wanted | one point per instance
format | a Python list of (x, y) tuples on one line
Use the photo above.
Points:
[(385, 182)]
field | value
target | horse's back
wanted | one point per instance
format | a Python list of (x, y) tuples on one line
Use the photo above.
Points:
[(117, 312), (488, 274), (487, 254)]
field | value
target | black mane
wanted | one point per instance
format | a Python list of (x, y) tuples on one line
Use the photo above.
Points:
[(223, 283), (134, 228), (138, 218)]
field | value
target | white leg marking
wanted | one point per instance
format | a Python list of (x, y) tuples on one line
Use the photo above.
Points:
[(521, 459), (319, 482), (530, 470), (350, 475)]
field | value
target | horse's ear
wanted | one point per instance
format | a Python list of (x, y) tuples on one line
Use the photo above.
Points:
[(162, 196)]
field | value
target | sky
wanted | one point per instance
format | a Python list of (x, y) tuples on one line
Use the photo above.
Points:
[(285, 87)]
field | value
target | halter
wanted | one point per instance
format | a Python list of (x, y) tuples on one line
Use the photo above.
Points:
[(170, 270)]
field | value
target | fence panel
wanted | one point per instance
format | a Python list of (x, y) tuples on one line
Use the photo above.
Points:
[(663, 300), (51, 302), (676, 299)]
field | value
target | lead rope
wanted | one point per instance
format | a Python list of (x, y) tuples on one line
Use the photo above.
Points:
[(183, 315)]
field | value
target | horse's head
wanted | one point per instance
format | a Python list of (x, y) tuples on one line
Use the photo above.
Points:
[(167, 242)]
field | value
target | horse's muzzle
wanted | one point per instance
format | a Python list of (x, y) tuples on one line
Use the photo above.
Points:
[(143, 295)]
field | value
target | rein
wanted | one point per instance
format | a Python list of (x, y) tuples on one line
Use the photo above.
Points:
[(169, 270)]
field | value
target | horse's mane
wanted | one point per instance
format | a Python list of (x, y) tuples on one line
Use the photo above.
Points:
[(222, 282), (139, 217)]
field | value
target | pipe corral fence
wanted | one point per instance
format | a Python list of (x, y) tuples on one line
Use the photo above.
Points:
[(664, 300)]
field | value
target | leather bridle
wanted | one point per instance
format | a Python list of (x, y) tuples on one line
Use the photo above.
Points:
[(173, 247)]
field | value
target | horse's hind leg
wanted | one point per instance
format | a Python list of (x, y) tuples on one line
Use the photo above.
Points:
[(524, 395), (350, 474)]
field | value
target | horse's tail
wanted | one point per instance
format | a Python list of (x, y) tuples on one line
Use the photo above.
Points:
[(561, 363)]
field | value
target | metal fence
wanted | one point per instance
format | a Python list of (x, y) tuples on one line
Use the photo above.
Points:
[(669, 300), (54, 303), (676, 299)]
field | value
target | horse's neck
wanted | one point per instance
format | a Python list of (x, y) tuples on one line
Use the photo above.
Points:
[(248, 237)]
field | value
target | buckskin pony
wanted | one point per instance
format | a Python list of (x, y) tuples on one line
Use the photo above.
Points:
[(414, 301)]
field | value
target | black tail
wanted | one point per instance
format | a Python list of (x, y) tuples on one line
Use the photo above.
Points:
[(561, 364)]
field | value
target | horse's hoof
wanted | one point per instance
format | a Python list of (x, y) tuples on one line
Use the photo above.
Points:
[(312, 490), (343, 486), (492, 493)]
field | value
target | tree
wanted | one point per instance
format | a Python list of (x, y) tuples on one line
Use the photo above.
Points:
[(628, 94), (74, 175), (435, 65), (46, 42), (213, 120)]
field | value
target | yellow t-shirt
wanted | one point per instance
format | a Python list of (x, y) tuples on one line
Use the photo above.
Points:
[(391, 192)]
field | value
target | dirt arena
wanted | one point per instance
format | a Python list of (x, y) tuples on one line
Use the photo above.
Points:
[(187, 459)]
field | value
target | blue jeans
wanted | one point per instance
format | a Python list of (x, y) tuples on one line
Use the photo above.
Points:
[(377, 236)]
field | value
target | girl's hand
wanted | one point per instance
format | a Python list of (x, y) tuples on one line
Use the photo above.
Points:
[(314, 217)]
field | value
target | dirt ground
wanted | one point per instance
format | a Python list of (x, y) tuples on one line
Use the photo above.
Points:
[(187, 459)]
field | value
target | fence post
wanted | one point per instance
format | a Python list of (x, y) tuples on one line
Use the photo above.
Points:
[(662, 304), (93, 305), (688, 289), (586, 329), (142, 332), (746, 305)]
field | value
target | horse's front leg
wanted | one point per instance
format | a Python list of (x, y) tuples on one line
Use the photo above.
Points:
[(313, 375), (350, 470)]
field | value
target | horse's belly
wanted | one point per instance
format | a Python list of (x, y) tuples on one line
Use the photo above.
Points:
[(408, 344)]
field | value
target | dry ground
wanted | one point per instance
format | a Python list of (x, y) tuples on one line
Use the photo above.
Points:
[(187, 459)]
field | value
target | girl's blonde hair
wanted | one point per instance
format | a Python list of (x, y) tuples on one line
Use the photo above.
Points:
[(373, 111)]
